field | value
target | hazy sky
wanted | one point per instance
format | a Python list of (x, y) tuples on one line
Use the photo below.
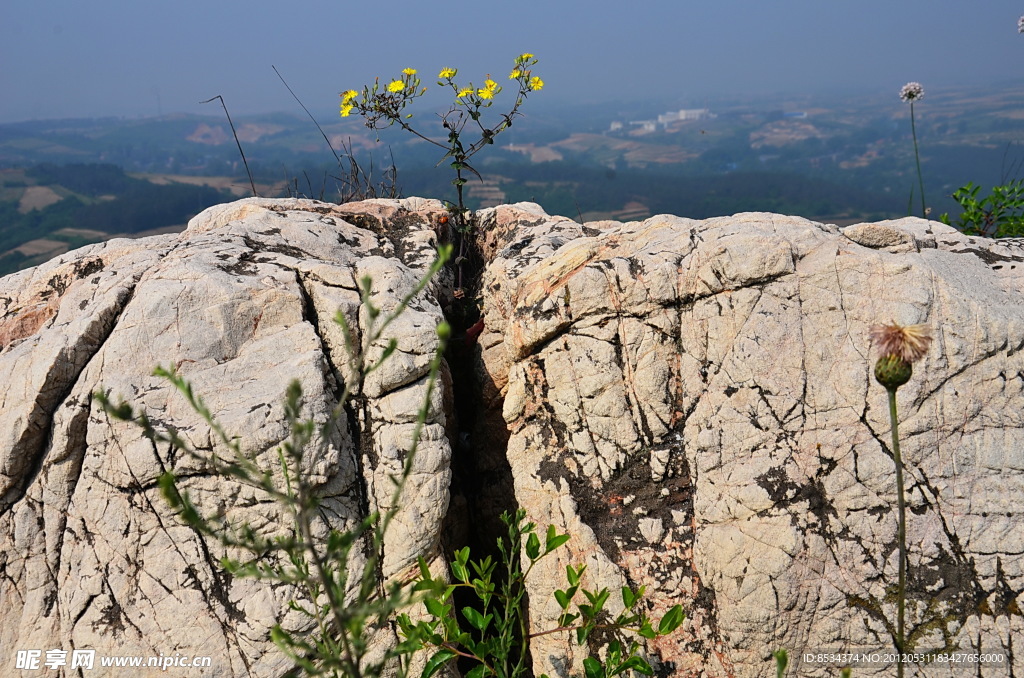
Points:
[(69, 58)]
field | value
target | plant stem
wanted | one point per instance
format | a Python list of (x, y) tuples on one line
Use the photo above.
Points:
[(917, 156), (901, 534)]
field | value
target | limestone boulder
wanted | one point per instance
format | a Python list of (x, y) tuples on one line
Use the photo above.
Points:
[(694, 402), (240, 304)]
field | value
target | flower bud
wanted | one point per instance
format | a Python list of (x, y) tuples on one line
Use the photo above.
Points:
[(892, 371)]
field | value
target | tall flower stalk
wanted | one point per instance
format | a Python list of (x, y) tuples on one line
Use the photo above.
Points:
[(910, 93), (900, 347)]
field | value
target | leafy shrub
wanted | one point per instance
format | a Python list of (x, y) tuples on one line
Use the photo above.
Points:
[(1000, 214), (495, 635)]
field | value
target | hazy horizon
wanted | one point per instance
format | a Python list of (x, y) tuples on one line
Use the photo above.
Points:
[(86, 60)]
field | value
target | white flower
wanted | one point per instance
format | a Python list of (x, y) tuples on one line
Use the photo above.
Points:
[(912, 91), (1020, 25)]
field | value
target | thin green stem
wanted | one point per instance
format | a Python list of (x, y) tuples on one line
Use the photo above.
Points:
[(901, 535), (917, 156)]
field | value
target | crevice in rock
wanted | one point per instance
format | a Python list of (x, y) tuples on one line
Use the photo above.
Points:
[(482, 487), (310, 315), (353, 414), (77, 429), (57, 388)]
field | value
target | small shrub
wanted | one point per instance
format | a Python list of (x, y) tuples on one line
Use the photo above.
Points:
[(495, 636), (1000, 214)]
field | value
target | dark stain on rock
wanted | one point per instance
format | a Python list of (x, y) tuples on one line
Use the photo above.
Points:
[(1003, 600), (86, 267), (112, 617), (515, 248), (367, 222), (810, 496), (278, 248), (988, 256), (348, 242), (245, 265)]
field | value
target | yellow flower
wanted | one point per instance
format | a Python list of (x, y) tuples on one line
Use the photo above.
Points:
[(348, 96), (515, 74), (409, 71), (536, 84), (447, 72), (524, 57), (396, 86), (489, 89), (346, 109), (464, 92)]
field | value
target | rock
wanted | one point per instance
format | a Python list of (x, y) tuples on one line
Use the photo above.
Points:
[(240, 304), (693, 401)]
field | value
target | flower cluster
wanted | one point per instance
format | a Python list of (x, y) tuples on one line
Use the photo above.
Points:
[(911, 92), (524, 75), (482, 97), (346, 102), (386, 103), (377, 103)]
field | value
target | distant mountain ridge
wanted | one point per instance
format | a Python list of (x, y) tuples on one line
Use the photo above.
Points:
[(835, 160)]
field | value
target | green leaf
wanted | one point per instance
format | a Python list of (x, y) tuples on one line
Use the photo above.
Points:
[(479, 621), (647, 632), (597, 599), (477, 671), (582, 634), (635, 663), (436, 608), (671, 621), (424, 570), (459, 570), (593, 668), (280, 637), (567, 619), (554, 540), (435, 663), (169, 489), (563, 599), (573, 575), (532, 546), (781, 661)]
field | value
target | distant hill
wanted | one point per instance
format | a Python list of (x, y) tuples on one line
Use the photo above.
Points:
[(48, 209), (835, 159)]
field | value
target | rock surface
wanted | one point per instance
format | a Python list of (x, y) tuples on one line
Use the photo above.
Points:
[(691, 400), (240, 303), (694, 401)]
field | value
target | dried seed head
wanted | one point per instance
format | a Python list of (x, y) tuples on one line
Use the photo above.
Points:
[(908, 343), (900, 347)]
